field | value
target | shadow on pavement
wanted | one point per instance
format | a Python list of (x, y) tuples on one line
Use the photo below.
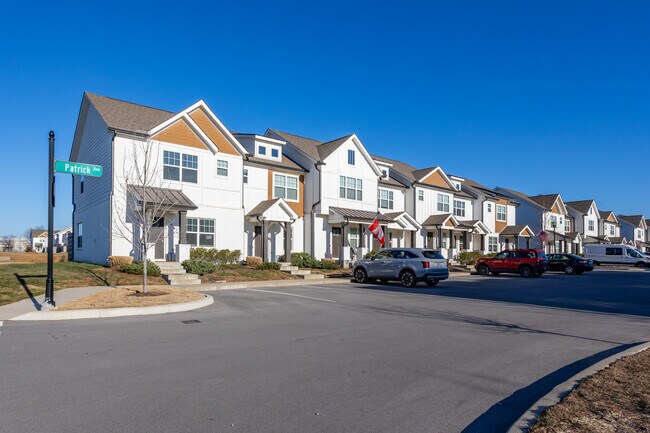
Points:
[(23, 283), (604, 292), (504, 413)]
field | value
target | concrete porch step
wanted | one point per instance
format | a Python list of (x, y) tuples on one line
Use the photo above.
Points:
[(300, 272), (312, 276), (288, 268), (181, 278)]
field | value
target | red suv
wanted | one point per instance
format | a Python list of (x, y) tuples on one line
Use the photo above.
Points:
[(526, 263)]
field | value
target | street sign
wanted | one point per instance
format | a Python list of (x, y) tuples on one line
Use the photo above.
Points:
[(78, 168)]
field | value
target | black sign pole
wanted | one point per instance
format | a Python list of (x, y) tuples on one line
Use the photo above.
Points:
[(49, 282)]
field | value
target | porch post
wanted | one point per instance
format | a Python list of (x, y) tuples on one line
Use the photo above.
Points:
[(516, 241), (362, 236), (182, 227), (528, 242), (482, 242), (440, 237), (287, 241), (264, 246)]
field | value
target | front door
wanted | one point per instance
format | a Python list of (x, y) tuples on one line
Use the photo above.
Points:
[(336, 242), (157, 235), (257, 242)]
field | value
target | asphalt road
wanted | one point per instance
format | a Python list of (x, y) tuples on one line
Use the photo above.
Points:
[(468, 355)]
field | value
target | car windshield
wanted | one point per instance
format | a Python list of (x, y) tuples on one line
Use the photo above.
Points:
[(429, 254)]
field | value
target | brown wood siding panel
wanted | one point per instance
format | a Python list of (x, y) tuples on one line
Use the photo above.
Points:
[(436, 179), (179, 132), (213, 133), (500, 225), (298, 207), (449, 223), (555, 209), (611, 218)]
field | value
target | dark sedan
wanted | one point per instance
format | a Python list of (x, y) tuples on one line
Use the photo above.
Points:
[(570, 264)]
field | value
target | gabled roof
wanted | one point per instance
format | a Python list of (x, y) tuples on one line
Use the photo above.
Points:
[(440, 219), (126, 116), (308, 146), (635, 220), (523, 231), (580, 205), (618, 239), (361, 214), (545, 200), (326, 149), (605, 214), (263, 206), (35, 233), (400, 167), (472, 187)]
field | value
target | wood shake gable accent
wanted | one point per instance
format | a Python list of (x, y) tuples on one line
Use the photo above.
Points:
[(500, 225), (298, 207), (611, 219), (436, 179), (180, 133), (210, 129)]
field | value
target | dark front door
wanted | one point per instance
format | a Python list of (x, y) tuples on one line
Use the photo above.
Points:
[(156, 235), (258, 241), (336, 242)]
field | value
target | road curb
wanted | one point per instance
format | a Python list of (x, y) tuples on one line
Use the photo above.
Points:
[(101, 313), (260, 284), (560, 391)]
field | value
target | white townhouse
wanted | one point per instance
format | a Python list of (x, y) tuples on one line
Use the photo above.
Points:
[(634, 229), (498, 213), (345, 190), (546, 214), (586, 221), (38, 240), (608, 226), (197, 165)]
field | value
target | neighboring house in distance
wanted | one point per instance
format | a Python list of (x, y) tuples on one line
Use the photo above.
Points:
[(608, 226), (634, 229), (38, 240), (61, 239), (586, 220), (200, 168)]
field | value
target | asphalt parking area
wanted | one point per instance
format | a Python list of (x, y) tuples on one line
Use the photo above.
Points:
[(467, 355)]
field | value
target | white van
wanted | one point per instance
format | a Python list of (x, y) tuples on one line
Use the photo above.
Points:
[(615, 254)]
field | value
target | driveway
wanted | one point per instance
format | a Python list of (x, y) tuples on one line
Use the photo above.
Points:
[(468, 355)]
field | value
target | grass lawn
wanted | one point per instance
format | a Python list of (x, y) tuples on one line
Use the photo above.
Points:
[(616, 399), (17, 281), (119, 298), (236, 273)]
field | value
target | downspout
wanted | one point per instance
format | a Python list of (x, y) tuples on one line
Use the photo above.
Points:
[(263, 236), (317, 165), (246, 155), (110, 203)]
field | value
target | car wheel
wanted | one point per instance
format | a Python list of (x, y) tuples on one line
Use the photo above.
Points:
[(432, 283), (496, 274), (408, 279), (360, 275), (483, 270), (569, 270), (525, 271)]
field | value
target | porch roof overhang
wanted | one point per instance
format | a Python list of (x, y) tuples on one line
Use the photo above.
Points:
[(167, 199), (339, 215), (618, 239), (443, 221), (402, 221), (276, 210), (521, 231), (596, 240), (475, 226)]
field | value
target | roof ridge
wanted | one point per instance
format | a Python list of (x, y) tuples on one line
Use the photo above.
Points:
[(296, 135), (129, 102)]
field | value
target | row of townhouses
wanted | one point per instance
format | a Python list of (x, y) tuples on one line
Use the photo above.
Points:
[(276, 193)]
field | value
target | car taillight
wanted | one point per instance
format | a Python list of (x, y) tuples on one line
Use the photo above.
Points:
[(426, 265)]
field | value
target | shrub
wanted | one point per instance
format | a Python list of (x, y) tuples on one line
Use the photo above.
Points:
[(327, 265), (137, 268), (119, 261), (28, 249), (269, 266), (219, 257), (370, 254), (304, 260), (198, 266), (469, 257), (253, 261)]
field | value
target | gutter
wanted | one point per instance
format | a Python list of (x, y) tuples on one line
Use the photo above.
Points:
[(317, 166)]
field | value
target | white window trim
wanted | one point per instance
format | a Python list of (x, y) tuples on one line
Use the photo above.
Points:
[(496, 244), (420, 195), (356, 189), (463, 208), (390, 199), (286, 187), (505, 212), (227, 167), (443, 203), (354, 157), (198, 231)]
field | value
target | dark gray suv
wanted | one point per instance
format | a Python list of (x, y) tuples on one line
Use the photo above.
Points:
[(406, 265)]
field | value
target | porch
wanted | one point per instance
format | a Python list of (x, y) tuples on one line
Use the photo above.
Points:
[(268, 230), (514, 237), (446, 233)]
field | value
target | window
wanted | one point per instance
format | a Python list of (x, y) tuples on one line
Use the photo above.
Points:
[(385, 199), (633, 253), (611, 230), (190, 168), (384, 172), (351, 157), (639, 234), (567, 225), (420, 195), (493, 244), (459, 208), (285, 187), (222, 168), (81, 184), (591, 225), (489, 207), (613, 251), (443, 203), (80, 232), (501, 212), (354, 237), (200, 232), (261, 150), (553, 221), (350, 188), (245, 175), (275, 153), (171, 165)]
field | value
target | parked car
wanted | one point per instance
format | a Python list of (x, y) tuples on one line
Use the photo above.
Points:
[(406, 265), (615, 254), (570, 264), (526, 263)]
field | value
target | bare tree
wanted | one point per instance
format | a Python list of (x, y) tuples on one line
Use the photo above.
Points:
[(144, 202), (8, 243)]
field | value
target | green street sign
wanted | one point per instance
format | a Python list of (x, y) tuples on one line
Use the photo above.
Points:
[(78, 168)]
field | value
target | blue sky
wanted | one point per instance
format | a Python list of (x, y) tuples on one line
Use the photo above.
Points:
[(541, 97)]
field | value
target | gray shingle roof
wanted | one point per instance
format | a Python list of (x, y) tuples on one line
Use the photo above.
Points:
[(317, 150), (632, 219), (362, 214), (512, 230), (436, 220), (37, 232), (402, 168), (326, 149), (127, 116), (165, 197), (285, 163), (580, 205), (545, 200), (262, 207), (391, 182)]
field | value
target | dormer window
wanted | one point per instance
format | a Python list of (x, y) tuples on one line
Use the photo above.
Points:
[(261, 150), (351, 157), (275, 153)]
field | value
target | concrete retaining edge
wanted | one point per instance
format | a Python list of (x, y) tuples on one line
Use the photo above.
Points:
[(100, 313), (562, 390)]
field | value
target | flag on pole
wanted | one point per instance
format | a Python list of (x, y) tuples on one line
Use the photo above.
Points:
[(542, 236), (376, 231)]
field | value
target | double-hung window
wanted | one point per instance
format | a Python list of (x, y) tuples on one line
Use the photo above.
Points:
[(459, 208), (80, 232), (443, 203), (591, 225), (351, 157), (611, 230), (420, 195), (567, 225), (200, 232), (275, 153), (171, 165), (385, 200), (285, 187), (245, 175), (222, 168), (190, 168), (493, 244), (501, 212), (553, 220), (350, 188)]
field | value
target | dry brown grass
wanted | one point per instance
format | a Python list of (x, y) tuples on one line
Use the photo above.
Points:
[(118, 298), (614, 400), (18, 257)]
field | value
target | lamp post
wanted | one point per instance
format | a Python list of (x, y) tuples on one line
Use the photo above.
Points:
[(554, 225), (49, 282)]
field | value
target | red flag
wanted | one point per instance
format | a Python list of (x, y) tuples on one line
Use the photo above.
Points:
[(542, 236), (376, 231)]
